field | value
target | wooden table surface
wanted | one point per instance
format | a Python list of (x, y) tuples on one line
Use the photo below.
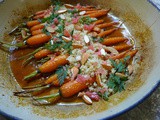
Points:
[(148, 110)]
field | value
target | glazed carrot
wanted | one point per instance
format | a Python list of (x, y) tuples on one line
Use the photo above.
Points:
[(38, 39), (42, 53), (99, 13), (89, 12), (73, 87), (36, 32), (113, 40), (87, 9), (131, 53), (54, 80), (37, 27), (98, 22), (104, 25), (51, 65), (119, 56), (40, 12), (33, 23), (107, 32), (38, 16), (106, 67), (122, 47)]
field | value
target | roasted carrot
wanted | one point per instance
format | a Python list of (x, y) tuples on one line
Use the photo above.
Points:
[(37, 27), (42, 53), (49, 66), (36, 32), (40, 12), (38, 16), (99, 13), (38, 39), (123, 47), (87, 9), (104, 25), (73, 87), (98, 22), (131, 53), (113, 40), (33, 23), (119, 56), (107, 32), (89, 12)]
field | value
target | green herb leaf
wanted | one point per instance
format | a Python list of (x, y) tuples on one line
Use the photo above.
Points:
[(61, 27), (104, 96), (73, 11), (52, 45), (86, 20), (62, 73)]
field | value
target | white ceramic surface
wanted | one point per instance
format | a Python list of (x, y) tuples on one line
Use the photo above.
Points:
[(148, 14)]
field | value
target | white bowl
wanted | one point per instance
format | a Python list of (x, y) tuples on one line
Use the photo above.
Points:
[(143, 21)]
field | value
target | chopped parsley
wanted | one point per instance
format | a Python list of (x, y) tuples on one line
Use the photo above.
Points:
[(115, 82), (86, 20), (62, 74)]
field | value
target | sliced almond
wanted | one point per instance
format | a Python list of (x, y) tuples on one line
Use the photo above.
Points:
[(98, 80), (62, 17), (74, 72), (68, 6), (103, 52), (50, 29), (97, 29), (86, 39), (94, 34), (78, 27), (107, 67), (80, 94), (23, 33), (85, 57), (87, 99), (61, 11), (82, 12), (66, 39), (77, 45), (130, 69), (120, 75)]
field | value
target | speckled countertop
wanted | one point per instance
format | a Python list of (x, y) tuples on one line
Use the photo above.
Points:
[(148, 110)]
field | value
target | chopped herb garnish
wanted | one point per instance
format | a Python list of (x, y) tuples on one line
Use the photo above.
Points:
[(73, 11), (104, 95), (117, 83), (61, 27), (62, 74), (44, 30), (50, 18), (67, 46), (52, 45), (86, 20)]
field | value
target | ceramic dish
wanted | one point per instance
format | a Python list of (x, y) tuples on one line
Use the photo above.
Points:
[(141, 18)]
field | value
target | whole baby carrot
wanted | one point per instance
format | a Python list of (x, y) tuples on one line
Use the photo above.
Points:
[(33, 23), (123, 47), (49, 66), (38, 39), (37, 27), (99, 13), (104, 25), (36, 32), (113, 40)]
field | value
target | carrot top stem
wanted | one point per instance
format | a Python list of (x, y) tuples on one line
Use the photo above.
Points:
[(48, 96), (33, 74), (27, 60), (32, 53)]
